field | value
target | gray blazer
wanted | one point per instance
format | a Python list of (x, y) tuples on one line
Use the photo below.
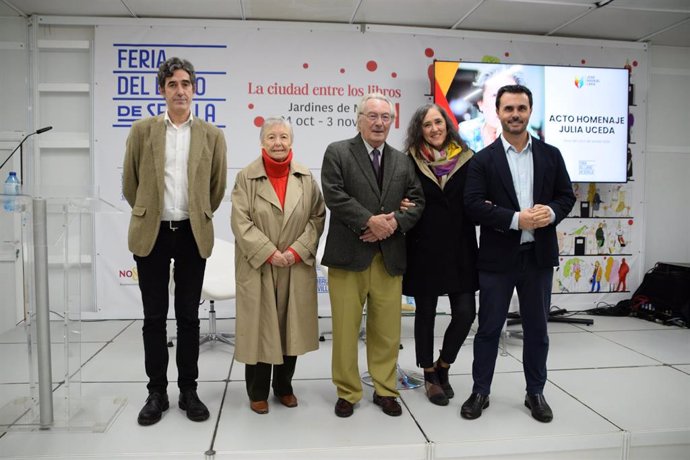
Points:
[(353, 196)]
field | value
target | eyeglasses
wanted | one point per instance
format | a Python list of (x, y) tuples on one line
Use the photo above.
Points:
[(372, 117)]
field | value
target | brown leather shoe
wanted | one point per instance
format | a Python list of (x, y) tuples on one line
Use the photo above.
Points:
[(260, 407), (389, 404), (433, 388), (288, 400), (442, 373), (343, 408)]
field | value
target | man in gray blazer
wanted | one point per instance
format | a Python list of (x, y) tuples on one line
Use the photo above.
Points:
[(364, 181), (174, 178)]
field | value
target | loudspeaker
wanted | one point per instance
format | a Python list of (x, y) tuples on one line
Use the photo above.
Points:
[(666, 291), (580, 242), (668, 267), (584, 208)]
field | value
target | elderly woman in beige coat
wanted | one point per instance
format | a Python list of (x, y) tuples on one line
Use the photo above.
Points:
[(277, 218)]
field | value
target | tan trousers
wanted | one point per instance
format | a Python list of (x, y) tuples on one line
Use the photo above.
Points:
[(348, 291)]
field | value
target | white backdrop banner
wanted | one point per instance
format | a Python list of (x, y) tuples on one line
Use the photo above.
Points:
[(314, 75), (315, 79)]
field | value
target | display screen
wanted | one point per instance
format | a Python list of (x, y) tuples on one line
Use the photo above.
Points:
[(581, 110)]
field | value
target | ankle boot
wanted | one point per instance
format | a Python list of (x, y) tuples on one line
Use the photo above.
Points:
[(434, 391), (442, 373)]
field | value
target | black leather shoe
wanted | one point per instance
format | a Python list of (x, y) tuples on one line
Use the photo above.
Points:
[(539, 407), (389, 405), (152, 411), (343, 408), (190, 402), (473, 407)]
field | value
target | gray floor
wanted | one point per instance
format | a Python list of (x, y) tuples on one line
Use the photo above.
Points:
[(619, 390)]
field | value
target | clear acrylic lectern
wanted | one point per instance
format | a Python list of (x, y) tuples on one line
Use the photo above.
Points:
[(52, 240)]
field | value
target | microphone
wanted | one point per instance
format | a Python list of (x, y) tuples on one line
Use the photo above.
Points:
[(38, 131)]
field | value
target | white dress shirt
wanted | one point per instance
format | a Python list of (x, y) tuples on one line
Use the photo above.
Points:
[(175, 198)]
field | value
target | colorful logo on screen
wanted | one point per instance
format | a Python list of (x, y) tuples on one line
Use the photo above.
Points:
[(588, 80)]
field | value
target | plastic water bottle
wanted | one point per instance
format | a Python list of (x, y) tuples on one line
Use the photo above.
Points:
[(12, 187)]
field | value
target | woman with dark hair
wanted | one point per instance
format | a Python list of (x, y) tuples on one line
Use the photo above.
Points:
[(442, 247)]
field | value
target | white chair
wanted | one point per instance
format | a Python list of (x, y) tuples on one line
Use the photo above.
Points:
[(219, 284)]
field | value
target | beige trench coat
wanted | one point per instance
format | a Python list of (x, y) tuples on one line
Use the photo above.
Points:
[(271, 322)]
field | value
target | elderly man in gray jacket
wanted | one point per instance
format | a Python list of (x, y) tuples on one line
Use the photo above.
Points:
[(364, 181)]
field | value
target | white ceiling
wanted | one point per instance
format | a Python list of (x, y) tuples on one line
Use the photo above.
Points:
[(658, 22)]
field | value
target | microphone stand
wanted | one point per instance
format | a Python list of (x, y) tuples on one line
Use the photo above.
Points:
[(21, 152)]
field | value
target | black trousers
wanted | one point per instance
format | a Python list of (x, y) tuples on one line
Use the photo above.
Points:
[(154, 277), (258, 378), (533, 285), (462, 310)]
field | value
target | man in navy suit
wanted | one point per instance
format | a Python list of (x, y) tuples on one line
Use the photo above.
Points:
[(518, 189)]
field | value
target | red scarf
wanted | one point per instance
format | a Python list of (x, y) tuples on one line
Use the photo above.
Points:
[(277, 172)]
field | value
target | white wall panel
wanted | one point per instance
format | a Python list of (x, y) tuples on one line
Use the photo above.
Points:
[(66, 57)]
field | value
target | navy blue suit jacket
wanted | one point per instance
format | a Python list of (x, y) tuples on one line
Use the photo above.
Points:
[(491, 200)]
